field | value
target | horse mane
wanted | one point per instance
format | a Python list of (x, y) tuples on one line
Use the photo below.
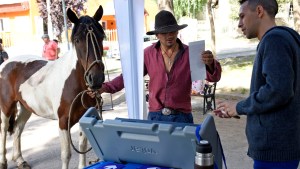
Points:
[(80, 29)]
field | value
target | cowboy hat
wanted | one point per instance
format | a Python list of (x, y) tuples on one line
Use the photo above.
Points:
[(165, 22)]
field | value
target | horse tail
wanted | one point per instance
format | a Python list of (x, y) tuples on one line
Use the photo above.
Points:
[(11, 124), (12, 121)]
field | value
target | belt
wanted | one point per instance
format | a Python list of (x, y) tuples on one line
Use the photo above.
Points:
[(167, 111)]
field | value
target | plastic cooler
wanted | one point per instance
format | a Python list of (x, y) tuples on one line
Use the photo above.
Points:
[(144, 142)]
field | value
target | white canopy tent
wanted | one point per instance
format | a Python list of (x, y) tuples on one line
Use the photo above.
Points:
[(130, 27)]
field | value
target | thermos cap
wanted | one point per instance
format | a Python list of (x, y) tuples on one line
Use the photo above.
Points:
[(203, 147)]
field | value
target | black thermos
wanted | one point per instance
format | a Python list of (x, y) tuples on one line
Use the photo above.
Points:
[(204, 158)]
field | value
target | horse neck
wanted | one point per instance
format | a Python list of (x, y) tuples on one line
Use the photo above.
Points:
[(75, 67)]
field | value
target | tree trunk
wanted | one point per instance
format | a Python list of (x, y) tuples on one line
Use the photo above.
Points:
[(296, 13), (212, 27), (165, 5)]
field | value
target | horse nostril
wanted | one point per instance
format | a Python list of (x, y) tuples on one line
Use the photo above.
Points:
[(95, 80), (90, 79)]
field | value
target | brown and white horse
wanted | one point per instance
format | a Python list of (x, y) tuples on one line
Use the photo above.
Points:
[(47, 88)]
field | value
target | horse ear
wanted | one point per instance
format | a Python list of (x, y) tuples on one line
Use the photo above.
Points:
[(72, 16), (98, 14)]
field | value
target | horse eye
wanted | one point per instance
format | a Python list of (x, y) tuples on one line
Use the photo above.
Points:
[(76, 40)]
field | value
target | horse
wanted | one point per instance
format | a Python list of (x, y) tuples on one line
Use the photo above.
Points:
[(48, 88)]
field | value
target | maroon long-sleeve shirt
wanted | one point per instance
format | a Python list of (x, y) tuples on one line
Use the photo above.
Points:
[(173, 89)]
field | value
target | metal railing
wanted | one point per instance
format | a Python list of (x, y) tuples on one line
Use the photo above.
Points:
[(111, 35)]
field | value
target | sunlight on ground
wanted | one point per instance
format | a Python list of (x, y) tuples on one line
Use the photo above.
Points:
[(235, 80)]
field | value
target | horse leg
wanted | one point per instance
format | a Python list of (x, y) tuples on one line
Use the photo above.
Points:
[(82, 148), (21, 120), (4, 128), (65, 148)]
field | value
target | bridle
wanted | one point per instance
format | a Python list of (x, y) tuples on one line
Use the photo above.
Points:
[(90, 34)]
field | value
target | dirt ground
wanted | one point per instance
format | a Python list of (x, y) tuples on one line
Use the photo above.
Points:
[(233, 140), (41, 147)]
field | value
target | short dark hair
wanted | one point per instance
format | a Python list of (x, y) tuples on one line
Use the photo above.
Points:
[(1, 40), (271, 6)]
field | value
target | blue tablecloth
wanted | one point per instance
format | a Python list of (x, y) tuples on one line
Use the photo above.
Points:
[(113, 165)]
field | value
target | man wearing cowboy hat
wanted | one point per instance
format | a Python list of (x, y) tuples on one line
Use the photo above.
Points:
[(167, 64)]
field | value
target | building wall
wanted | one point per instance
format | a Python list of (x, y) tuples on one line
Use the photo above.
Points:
[(150, 7), (20, 27)]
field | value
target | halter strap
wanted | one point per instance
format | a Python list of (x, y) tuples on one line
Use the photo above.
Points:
[(90, 34)]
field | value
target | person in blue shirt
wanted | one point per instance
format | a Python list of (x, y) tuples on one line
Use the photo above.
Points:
[(273, 106)]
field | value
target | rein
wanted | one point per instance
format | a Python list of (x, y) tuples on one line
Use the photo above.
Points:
[(99, 104), (99, 100)]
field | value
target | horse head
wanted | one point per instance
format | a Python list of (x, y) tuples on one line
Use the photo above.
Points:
[(87, 37)]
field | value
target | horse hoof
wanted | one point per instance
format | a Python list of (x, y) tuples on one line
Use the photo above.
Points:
[(24, 165), (3, 166)]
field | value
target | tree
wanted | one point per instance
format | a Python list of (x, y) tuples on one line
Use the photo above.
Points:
[(56, 13), (193, 7), (210, 6), (296, 13), (190, 8), (281, 4), (165, 5)]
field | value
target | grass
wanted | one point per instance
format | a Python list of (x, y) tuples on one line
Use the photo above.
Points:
[(238, 62), (236, 75)]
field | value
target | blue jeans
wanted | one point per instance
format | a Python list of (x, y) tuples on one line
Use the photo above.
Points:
[(180, 117), (275, 165)]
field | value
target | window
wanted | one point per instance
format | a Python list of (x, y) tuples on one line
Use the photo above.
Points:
[(104, 25), (4, 24), (1, 25)]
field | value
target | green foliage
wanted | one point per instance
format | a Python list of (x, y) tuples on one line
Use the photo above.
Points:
[(190, 8), (280, 2), (234, 5), (238, 62)]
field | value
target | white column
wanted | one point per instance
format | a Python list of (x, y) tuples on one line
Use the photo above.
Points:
[(65, 22), (130, 26), (50, 28)]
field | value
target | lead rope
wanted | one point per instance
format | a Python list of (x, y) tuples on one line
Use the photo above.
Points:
[(99, 100), (99, 103)]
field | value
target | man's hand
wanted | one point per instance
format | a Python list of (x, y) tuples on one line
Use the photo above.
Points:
[(93, 93), (226, 109), (208, 59)]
